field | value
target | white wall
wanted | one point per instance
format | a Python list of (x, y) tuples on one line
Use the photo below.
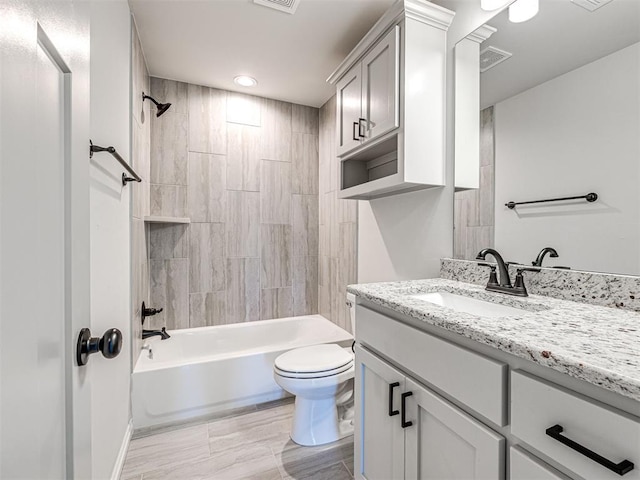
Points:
[(404, 236), (110, 246), (575, 134)]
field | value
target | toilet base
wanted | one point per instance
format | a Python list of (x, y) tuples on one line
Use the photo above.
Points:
[(316, 422)]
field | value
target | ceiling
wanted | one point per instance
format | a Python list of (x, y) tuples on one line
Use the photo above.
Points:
[(209, 42), (561, 38)]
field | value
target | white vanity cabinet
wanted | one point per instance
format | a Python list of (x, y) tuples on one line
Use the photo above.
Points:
[(430, 406), (391, 103), (405, 430)]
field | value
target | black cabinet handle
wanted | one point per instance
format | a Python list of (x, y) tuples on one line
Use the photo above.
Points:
[(356, 124), (403, 405), (360, 127), (392, 412), (621, 468)]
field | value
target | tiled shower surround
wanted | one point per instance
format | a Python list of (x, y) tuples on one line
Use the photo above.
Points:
[(245, 171)]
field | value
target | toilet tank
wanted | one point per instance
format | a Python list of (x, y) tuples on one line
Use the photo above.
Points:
[(351, 303)]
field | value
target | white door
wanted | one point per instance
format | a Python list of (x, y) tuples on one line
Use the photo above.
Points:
[(350, 125), (379, 437), (44, 398), (444, 443), (381, 86)]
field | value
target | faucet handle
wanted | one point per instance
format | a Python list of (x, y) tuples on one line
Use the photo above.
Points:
[(493, 276)]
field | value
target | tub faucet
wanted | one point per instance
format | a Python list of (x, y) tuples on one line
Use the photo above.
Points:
[(160, 333), (538, 261)]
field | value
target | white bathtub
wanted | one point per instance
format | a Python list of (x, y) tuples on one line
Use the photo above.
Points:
[(200, 371)]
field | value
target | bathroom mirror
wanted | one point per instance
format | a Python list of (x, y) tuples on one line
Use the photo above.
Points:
[(559, 117)]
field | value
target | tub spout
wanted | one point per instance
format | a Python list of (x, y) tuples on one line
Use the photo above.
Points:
[(160, 333)]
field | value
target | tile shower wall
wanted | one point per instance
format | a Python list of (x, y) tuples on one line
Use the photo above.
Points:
[(338, 227), (474, 212), (140, 207), (244, 169)]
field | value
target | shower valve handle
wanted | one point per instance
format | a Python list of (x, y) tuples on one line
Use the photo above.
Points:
[(148, 312)]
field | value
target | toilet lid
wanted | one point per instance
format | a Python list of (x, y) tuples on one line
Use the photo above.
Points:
[(316, 358)]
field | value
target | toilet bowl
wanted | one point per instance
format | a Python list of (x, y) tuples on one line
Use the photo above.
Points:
[(321, 378)]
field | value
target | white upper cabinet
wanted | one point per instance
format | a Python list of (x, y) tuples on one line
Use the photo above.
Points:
[(349, 92), (391, 104)]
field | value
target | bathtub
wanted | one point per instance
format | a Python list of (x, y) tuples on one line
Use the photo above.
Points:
[(202, 371)]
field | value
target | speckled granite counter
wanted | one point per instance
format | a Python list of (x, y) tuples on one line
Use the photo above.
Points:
[(596, 344)]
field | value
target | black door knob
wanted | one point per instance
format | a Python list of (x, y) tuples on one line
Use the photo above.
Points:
[(110, 344)]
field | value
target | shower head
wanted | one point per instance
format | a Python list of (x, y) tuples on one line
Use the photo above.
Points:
[(162, 107)]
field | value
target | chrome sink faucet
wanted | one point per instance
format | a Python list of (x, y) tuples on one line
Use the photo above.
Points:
[(504, 286)]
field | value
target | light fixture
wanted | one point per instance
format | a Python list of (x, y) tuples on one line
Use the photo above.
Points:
[(523, 10), (489, 5), (245, 81)]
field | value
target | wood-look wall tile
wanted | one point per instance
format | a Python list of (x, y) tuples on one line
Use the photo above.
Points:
[(305, 285), (276, 303), (207, 120), (170, 291), (477, 239), (244, 109), (169, 149), (487, 138), (169, 200), (276, 256), (275, 192), (137, 160), (486, 197), (243, 158), (304, 119), (139, 281), (305, 225), (170, 91), (243, 289), (243, 224), (324, 232), (304, 156), (207, 187), (207, 309), (324, 304), (168, 241), (139, 77), (276, 131), (206, 255)]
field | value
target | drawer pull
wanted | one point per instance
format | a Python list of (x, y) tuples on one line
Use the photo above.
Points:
[(403, 406), (360, 120), (621, 468), (392, 412), (356, 124)]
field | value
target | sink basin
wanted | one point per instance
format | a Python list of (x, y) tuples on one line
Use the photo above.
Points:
[(460, 303)]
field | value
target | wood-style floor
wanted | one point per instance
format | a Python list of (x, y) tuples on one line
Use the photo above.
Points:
[(252, 445)]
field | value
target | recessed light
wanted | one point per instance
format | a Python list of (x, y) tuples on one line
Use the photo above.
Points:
[(489, 5), (523, 10), (245, 81)]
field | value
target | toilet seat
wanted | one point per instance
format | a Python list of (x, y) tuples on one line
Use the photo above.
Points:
[(316, 361)]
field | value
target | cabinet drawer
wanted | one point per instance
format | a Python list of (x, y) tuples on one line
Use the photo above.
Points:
[(523, 466), (474, 380), (537, 405)]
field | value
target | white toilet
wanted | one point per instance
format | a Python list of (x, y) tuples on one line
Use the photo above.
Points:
[(321, 378)]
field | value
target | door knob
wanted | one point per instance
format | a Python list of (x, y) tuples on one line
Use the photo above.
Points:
[(110, 344)]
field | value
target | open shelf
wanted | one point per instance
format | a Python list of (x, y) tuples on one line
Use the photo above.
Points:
[(159, 219)]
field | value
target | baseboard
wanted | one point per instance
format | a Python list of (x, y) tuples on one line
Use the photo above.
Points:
[(122, 454)]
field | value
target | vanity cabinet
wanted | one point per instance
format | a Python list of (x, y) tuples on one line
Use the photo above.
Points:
[(405, 430), (390, 104), (430, 405)]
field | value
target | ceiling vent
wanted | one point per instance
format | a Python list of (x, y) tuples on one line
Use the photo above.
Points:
[(492, 56), (591, 5), (287, 6)]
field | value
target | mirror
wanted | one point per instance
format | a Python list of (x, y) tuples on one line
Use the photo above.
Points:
[(559, 118)]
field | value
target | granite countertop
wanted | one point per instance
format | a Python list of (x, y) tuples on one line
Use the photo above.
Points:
[(599, 345)]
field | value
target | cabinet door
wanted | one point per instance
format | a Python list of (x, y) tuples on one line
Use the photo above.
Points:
[(445, 443), (350, 128), (381, 86), (523, 466), (379, 439)]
